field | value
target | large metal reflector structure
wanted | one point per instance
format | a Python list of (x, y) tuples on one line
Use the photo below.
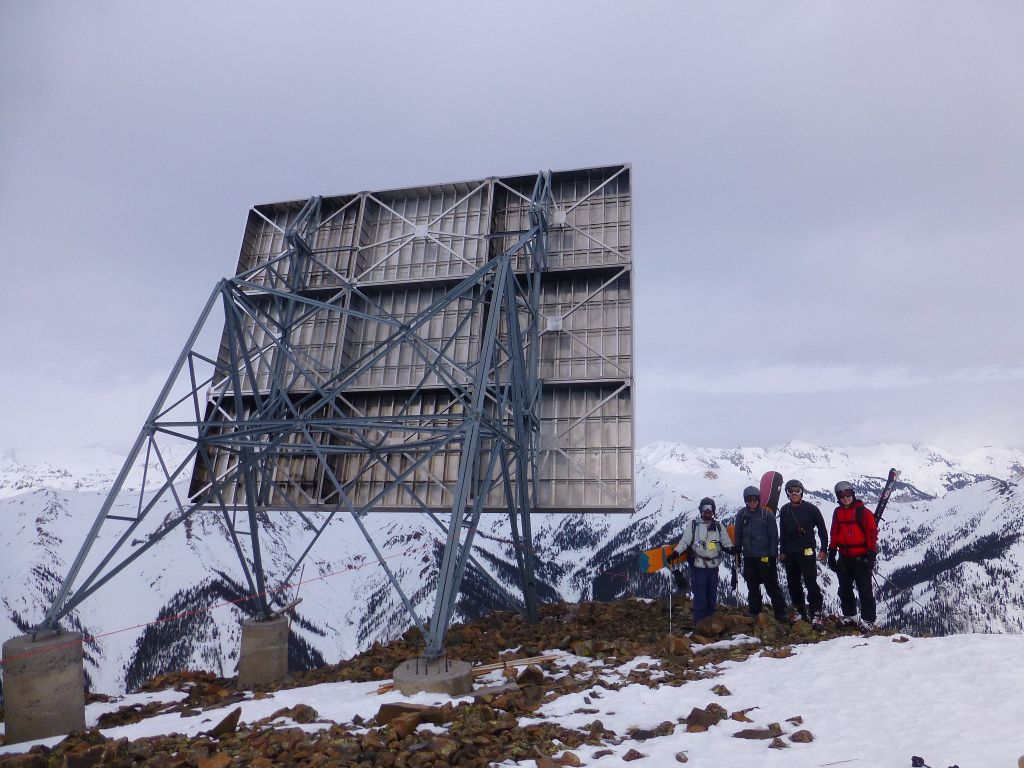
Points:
[(449, 350)]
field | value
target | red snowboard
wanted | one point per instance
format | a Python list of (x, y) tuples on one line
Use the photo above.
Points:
[(771, 489)]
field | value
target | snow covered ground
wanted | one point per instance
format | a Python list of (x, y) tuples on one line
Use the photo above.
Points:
[(873, 701)]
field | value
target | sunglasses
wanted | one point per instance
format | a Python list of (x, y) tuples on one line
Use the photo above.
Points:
[(751, 498), (846, 495)]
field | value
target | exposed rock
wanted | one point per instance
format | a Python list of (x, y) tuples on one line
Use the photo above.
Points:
[(483, 730), (583, 647), (633, 755), (443, 747), (737, 622), (802, 737), (87, 758), (24, 761), (406, 723), (488, 694), (132, 714), (713, 626), (390, 711), (758, 733), (532, 675), (227, 725), (700, 720), (778, 743), (681, 757), (216, 760), (796, 720), (721, 690), (801, 631), (679, 646), (372, 741), (642, 734), (300, 713)]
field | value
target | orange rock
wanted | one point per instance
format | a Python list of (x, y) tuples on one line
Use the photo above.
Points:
[(216, 760), (406, 724)]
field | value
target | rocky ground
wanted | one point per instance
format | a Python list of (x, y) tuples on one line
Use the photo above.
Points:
[(477, 730)]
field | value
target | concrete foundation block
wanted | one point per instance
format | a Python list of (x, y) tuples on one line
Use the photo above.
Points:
[(436, 676), (44, 686), (263, 659)]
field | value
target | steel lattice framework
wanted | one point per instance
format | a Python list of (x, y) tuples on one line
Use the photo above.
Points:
[(447, 350)]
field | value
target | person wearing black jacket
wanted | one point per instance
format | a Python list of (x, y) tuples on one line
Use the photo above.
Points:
[(798, 521)]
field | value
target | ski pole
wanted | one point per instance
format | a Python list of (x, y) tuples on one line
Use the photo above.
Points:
[(876, 576), (670, 606)]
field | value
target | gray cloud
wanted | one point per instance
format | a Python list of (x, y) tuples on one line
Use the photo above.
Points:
[(795, 378), (821, 190)]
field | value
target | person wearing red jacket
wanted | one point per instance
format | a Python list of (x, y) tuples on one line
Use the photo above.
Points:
[(853, 547)]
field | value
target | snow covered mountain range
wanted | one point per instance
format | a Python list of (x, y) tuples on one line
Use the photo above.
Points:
[(950, 561)]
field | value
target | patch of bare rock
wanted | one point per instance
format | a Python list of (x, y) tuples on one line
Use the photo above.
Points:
[(475, 731)]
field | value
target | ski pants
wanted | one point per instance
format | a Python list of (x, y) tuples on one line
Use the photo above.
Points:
[(756, 573), (852, 570), (705, 592), (801, 572)]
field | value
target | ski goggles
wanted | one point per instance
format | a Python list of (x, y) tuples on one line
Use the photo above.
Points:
[(846, 494), (797, 491), (707, 508)]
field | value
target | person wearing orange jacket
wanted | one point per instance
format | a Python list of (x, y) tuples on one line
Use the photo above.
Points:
[(853, 547)]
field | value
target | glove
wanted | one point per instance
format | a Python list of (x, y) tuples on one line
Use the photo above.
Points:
[(832, 556), (870, 557)]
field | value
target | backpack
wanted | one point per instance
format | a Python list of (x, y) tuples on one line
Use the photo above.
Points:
[(691, 556), (858, 520)]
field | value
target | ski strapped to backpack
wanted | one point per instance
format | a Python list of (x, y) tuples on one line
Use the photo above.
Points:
[(883, 500)]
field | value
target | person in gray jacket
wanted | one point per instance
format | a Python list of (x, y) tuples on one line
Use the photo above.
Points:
[(705, 540), (757, 539)]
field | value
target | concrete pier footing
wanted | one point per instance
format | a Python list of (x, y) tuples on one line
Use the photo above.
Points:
[(44, 686), (436, 676), (263, 659)]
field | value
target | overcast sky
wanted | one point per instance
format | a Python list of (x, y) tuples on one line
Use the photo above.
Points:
[(828, 197)]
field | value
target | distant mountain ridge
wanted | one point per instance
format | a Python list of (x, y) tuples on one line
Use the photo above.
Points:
[(951, 553)]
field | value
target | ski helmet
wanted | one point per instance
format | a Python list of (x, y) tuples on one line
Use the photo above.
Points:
[(707, 503), (751, 491), (791, 484), (842, 485)]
